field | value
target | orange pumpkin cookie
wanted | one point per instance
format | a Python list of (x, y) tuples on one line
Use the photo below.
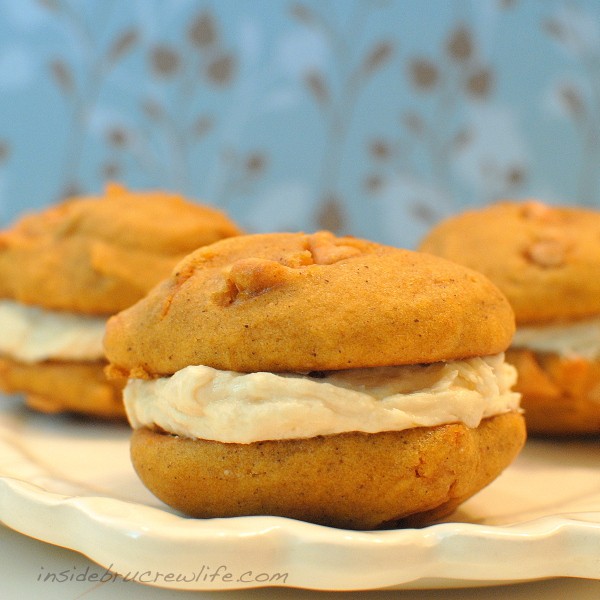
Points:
[(546, 261), (64, 270), (328, 379)]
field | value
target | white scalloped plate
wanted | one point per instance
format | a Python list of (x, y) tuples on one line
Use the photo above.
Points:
[(69, 483)]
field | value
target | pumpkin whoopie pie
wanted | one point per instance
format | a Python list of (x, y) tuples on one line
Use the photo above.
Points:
[(546, 260), (65, 269), (327, 379)]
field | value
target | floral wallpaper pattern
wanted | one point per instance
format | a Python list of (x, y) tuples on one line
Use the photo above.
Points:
[(369, 117)]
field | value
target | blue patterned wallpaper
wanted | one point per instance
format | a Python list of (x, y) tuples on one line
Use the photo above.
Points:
[(369, 117)]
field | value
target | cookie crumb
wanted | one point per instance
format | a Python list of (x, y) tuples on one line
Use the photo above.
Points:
[(547, 253)]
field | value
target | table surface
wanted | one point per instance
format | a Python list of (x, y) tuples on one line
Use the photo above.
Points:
[(25, 561)]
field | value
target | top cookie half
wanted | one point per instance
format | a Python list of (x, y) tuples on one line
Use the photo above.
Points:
[(100, 255), (545, 259), (297, 302)]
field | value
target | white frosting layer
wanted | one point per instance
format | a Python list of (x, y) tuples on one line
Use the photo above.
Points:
[(201, 402), (31, 334), (579, 339)]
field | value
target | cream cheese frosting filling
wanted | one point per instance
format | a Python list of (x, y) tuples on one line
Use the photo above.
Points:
[(580, 339), (225, 406), (32, 334)]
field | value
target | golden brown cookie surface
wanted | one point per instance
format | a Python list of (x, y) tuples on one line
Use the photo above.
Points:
[(352, 480), (560, 395), (100, 255), (297, 302), (56, 387), (545, 259)]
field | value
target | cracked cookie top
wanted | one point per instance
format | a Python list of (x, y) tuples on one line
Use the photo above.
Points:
[(545, 259), (297, 302), (100, 255)]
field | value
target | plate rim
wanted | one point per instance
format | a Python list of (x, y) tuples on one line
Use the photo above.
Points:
[(316, 557), (128, 536)]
